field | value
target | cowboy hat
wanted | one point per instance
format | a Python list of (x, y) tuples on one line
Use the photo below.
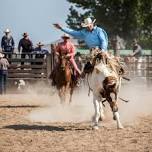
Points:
[(7, 30), (25, 34), (40, 44), (87, 22), (1, 55), (66, 36)]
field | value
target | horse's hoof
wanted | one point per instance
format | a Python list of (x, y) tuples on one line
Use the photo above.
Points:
[(120, 127), (95, 127)]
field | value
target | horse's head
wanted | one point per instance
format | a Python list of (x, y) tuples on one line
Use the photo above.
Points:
[(63, 60), (100, 57), (89, 66)]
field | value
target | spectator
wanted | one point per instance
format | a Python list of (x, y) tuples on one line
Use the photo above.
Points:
[(137, 54), (3, 73), (40, 52), (7, 44), (27, 46), (137, 50)]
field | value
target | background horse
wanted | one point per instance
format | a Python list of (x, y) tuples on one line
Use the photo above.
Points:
[(105, 85), (63, 78)]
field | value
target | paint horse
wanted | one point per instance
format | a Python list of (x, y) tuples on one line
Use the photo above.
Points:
[(105, 85)]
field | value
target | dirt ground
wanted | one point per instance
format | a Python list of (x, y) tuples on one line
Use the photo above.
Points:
[(18, 134)]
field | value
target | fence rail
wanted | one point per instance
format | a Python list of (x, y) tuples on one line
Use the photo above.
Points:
[(40, 68)]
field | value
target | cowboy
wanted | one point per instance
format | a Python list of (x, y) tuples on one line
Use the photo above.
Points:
[(4, 64), (94, 37), (27, 46), (7, 43), (67, 47), (40, 52)]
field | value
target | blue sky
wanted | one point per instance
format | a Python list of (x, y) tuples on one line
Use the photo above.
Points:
[(33, 16)]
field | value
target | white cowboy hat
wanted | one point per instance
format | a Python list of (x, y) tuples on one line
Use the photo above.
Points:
[(40, 44), (1, 55), (66, 36), (87, 22), (7, 30)]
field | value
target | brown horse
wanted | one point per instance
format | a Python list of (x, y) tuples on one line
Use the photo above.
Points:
[(63, 78)]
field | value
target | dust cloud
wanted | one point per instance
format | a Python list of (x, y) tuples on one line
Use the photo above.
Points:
[(81, 109), (139, 93)]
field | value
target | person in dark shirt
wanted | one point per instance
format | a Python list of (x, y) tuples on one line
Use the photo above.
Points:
[(7, 44), (27, 46), (40, 52)]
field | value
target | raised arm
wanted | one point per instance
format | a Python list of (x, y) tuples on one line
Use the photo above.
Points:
[(74, 33)]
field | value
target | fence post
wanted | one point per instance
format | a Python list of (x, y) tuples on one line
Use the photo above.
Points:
[(48, 64)]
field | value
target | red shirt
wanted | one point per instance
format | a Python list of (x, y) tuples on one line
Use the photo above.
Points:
[(66, 48)]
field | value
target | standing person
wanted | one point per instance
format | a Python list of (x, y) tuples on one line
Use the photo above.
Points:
[(137, 50), (94, 36), (7, 43), (3, 73), (27, 46), (137, 54), (40, 52)]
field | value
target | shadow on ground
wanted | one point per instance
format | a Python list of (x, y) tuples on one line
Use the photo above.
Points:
[(19, 106), (46, 128)]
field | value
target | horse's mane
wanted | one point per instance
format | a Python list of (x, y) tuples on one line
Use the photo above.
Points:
[(98, 58)]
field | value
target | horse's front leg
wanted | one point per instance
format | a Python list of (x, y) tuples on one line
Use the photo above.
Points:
[(62, 94), (71, 93), (97, 112)]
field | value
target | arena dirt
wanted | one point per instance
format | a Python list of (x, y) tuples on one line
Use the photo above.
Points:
[(34, 121)]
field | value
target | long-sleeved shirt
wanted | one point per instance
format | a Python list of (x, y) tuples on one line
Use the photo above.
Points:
[(66, 48), (26, 45), (40, 52), (7, 44), (95, 38)]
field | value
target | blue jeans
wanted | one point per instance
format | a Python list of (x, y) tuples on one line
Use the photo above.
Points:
[(3, 81)]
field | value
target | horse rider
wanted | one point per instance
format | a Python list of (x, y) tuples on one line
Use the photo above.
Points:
[(67, 47), (93, 36), (7, 43)]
